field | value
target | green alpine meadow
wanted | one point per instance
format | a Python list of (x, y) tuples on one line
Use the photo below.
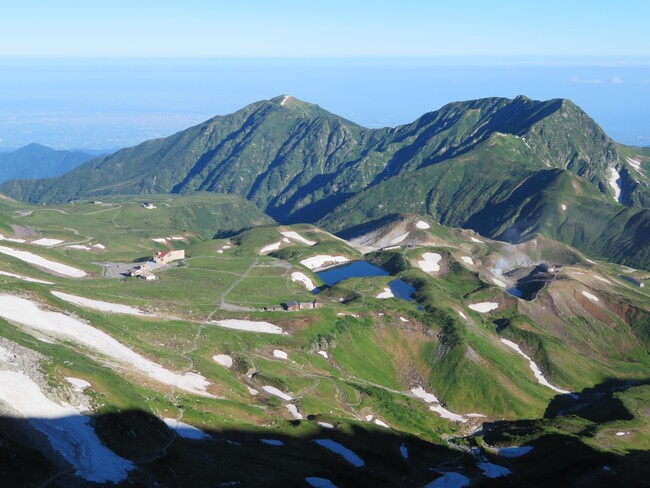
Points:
[(282, 297)]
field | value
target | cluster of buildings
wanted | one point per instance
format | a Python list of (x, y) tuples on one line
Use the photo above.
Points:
[(145, 270)]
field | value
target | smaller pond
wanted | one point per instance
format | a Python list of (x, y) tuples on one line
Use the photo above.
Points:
[(515, 292), (363, 269)]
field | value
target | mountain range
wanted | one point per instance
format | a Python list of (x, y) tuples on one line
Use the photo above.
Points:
[(509, 169), (38, 161)]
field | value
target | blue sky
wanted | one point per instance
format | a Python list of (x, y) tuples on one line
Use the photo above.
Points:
[(208, 28), (101, 74)]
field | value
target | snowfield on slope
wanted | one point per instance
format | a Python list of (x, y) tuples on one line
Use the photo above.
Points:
[(53, 266), (321, 260), (68, 432), (430, 262), (248, 326), (271, 247), (533, 366), (342, 451), (297, 237), (56, 324), (484, 307), (303, 279), (45, 242), (25, 278), (387, 293), (186, 431), (98, 305)]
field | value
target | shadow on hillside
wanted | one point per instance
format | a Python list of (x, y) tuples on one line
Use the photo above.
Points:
[(595, 403), (562, 452), (229, 457), (358, 230)]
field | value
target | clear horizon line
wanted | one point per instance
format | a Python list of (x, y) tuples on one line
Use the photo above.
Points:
[(487, 59)]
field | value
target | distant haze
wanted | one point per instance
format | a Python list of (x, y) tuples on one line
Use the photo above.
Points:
[(116, 103)]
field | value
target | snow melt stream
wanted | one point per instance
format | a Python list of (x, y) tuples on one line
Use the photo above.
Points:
[(536, 371)]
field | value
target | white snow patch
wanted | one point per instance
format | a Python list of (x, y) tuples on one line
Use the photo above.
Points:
[(621, 433), (323, 353), (186, 431), (317, 482), (429, 262), (160, 240), (600, 278), (499, 283), (564, 207), (322, 259), (177, 238), (387, 293), (342, 451), (274, 391), (303, 279), (446, 414), (220, 251), (402, 319), (68, 432), (515, 451), (293, 410), (381, 423), (474, 239), (12, 239), (404, 451), (615, 182), (36, 260), (78, 384), (536, 371), (284, 100), (297, 237), (25, 278), (47, 242), (98, 305), (421, 224), (28, 314), (326, 425), (98, 246), (591, 297), (424, 395), (249, 326), (450, 480), (484, 307), (223, 359), (475, 415), (462, 314), (635, 163), (491, 470), (80, 247), (280, 354), (272, 442), (252, 391), (399, 239), (271, 247), (369, 418), (467, 260)]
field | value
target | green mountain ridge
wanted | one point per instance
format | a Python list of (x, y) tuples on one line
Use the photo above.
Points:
[(460, 164), (38, 161)]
